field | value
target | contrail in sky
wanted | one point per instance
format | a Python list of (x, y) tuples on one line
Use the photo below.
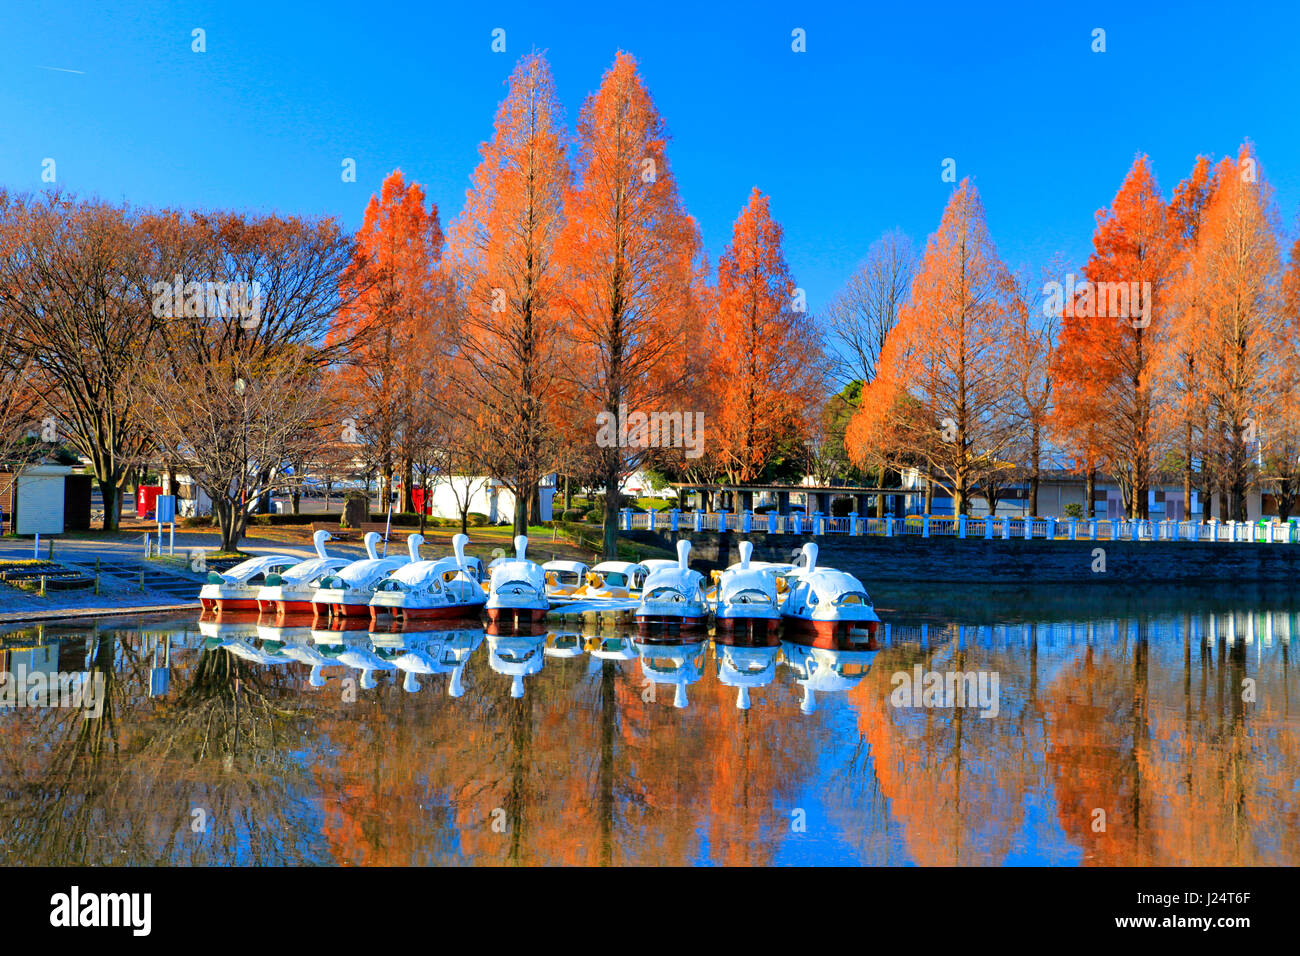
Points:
[(60, 69)]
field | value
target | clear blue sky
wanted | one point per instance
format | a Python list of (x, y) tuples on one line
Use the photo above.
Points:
[(847, 138)]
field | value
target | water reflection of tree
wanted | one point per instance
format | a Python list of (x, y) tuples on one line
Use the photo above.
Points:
[(580, 770), (124, 786), (1187, 771), (954, 781)]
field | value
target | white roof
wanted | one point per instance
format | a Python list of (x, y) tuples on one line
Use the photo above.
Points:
[(623, 567), (687, 582), (262, 563), (420, 574), (360, 573), (748, 579), (311, 569), (653, 564), (513, 569), (831, 585)]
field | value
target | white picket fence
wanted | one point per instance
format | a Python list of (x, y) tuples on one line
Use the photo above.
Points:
[(1071, 529)]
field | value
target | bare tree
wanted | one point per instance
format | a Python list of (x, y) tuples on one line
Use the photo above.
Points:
[(861, 315)]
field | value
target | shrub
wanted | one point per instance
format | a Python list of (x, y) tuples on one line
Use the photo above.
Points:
[(596, 516), (198, 521), (476, 519), (1074, 510), (572, 514)]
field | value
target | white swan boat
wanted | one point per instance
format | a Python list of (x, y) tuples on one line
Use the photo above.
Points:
[(290, 591), (347, 592), (827, 608), (825, 671), (745, 668), (516, 656), (747, 604), (518, 588), (673, 596), (677, 665), (237, 588), (564, 578), (430, 590)]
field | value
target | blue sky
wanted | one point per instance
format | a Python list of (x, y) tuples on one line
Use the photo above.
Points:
[(847, 138)]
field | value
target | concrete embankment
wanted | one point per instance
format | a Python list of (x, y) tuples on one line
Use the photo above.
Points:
[(1010, 562)]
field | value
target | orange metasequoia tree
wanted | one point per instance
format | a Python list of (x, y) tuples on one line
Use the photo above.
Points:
[(765, 359), (390, 324), (1113, 329), (633, 265), (1239, 335), (1182, 378), (505, 252), (941, 399)]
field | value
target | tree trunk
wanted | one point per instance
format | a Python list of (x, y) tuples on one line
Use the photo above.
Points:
[(1090, 494), (110, 491), (929, 494), (611, 516), (296, 498), (521, 508), (408, 486)]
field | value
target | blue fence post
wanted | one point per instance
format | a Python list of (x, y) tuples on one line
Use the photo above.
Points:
[(1006, 529), (1135, 526), (1173, 531), (988, 528), (889, 527), (771, 522), (674, 517), (798, 522), (1074, 527), (1029, 526), (722, 519), (650, 518), (627, 519), (819, 523), (1051, 529), (747, 522), (699, 521), (925, 526), (1092, 528), (853, 522), (961, 526)]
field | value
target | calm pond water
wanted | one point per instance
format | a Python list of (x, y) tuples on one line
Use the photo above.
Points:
[(1128, 730)]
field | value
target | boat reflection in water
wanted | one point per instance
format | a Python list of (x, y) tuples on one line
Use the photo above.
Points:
[(603, 746)]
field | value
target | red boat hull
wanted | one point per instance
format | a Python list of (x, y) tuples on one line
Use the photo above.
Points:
[(426, 613), (524, 615), (832, 635), (747, 631), (225, 605)]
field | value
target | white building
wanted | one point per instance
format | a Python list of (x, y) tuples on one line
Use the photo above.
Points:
[(487, 496)]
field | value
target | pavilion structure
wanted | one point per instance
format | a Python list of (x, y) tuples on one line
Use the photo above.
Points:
[(815, 499)]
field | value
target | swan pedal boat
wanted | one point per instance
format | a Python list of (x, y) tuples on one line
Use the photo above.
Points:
[(237, 589), (517, 591), (828, 608), (348, 592), (431, 590), (748, 600), (673, 597), (290, 591)]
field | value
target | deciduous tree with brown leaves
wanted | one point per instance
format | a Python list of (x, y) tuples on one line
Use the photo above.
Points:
[(505, 249), (633, 271), (765, 359), (941, 395)]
